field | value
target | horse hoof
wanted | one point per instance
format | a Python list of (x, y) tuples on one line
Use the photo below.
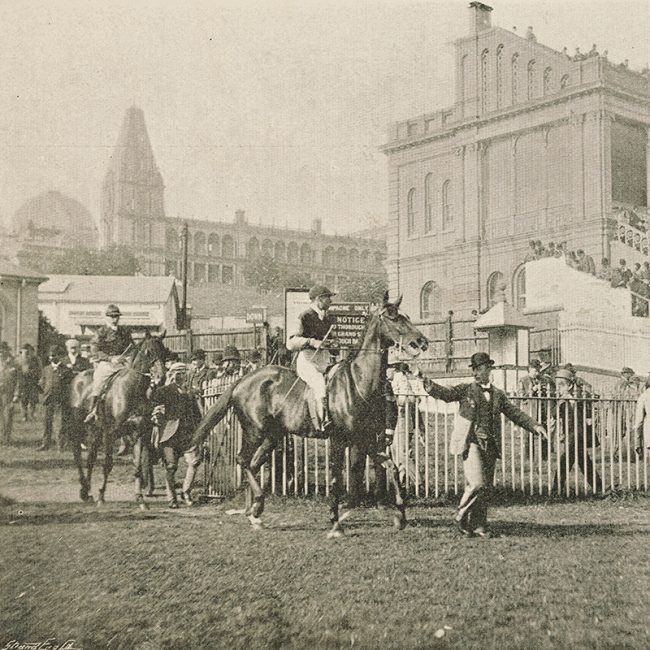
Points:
[(100, 502), (256, 523), (399, 523)]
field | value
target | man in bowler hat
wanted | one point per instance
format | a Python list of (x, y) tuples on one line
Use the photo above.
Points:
[(477, 437)]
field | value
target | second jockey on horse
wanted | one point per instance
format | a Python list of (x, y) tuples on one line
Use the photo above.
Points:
[(111, 341), (310, 335)]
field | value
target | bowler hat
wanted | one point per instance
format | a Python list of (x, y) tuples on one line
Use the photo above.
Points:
[(627, 371), (479, 358), (230, 353), (113, 310), (319, 290), (254, 355), (535, 363), (198, 355)]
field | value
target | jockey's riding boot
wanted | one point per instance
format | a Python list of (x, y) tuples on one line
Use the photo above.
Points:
[(92, 415), (327, 421)]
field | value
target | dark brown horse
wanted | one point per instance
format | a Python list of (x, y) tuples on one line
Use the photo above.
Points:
[(124, 410), (271, 403)]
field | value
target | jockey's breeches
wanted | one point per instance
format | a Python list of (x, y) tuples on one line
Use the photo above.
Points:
[(103, 370), (310, 374)]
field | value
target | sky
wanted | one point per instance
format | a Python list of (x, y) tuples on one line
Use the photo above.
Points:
[(277, 108)]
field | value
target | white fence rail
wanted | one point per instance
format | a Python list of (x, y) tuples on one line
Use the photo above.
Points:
[(591, 433)]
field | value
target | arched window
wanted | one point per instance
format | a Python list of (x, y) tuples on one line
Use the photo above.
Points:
[(354, 259), (293, 254), (519, 287), (227, 247), (547, 81), (267, 248), (305, 254), (531, 79), (515, 77), (410, 212), (447, 208), (172, 243), (429, 300), (280, 251), (428, 203), (252, 248), (564, 82), (499, 76), (199, 243), (341, 258), (494, 286), (484, 80), (213, 244), (328, 256)]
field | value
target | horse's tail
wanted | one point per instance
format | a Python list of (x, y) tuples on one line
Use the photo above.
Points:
[(214, 415)]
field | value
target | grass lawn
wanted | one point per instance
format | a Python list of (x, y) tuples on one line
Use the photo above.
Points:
[(565, 575)]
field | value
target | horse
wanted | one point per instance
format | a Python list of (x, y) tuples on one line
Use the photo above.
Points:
[(271, 403), (124, 406)]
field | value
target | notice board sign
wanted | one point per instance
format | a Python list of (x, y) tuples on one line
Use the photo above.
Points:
[(256, 315), (350, 323)]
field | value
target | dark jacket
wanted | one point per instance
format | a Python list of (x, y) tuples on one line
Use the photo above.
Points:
[(81, 364), (182, 415), (111, 343), (469, 396), (54, 383)]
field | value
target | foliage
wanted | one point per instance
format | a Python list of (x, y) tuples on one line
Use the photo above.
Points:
[(48, 336), (362, 289), (114, 260), (266, 274), (566, 575)]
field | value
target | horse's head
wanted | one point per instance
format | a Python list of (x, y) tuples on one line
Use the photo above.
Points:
[(395, 328), (150, 357)]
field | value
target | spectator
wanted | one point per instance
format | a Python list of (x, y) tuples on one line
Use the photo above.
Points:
[(636, 271), (73, 359), (546, 370), (54, 381), (560, 250), (29, 373), (621, 275), (531, 255), (572, 260), (642, 421), (199, 374), (254, 361), (575, 432), (585, 262), (539, 250), (605, 272), (627, 387), (533, 384), (550, 251), (231, 365), (583, 387), (645, 271)]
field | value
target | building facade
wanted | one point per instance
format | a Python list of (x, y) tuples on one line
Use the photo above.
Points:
[(539, 145), (133, 214)]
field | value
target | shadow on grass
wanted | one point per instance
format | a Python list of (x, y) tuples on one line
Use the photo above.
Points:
[(530, 529)]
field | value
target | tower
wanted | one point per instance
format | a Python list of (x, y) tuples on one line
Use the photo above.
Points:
[(133, 190)]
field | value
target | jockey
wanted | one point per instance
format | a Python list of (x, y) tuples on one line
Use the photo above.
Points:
[(313, 326), (111, 342)]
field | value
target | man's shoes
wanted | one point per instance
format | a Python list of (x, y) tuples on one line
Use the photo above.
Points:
[(187, 499), (173, 504), (464, 531), (486, 533)]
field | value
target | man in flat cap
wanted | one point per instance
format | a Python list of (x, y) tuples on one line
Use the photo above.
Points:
[(477, 437), (310, 337)]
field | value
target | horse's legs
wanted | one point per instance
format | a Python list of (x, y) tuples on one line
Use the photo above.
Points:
[(382, 460), (108, 464), (93, 450), (140, 464), (336, 485), (255, 508), (358, 455), (75, 431)]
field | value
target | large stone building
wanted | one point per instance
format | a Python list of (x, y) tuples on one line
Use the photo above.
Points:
[(538, 145), (133, 214)]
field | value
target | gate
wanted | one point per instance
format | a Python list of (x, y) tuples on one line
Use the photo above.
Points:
[(594, 433)]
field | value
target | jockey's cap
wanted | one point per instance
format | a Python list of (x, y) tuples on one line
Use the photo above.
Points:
[(230, 352), (319, 290), (113, 310)]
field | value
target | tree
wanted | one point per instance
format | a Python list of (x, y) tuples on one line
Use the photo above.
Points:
[(358, 288), (114, 260), (263, 273)]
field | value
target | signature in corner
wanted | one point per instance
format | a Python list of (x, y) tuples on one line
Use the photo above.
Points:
[(48, 644)]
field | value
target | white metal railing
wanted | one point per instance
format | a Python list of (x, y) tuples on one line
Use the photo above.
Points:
[(594, 433)]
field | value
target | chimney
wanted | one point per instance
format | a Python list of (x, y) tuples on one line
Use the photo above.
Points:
[(240, 216), (316, 226), (479, 17)]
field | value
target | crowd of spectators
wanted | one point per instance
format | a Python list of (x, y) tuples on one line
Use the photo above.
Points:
[(575, 259)]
